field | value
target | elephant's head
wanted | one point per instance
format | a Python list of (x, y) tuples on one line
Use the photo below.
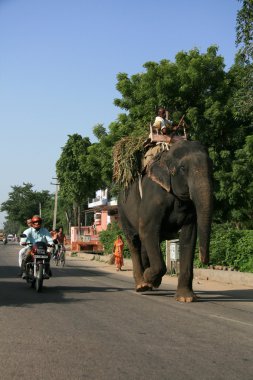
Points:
[(186, 172)]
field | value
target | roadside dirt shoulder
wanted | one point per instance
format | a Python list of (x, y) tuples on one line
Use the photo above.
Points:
[(204, 279)]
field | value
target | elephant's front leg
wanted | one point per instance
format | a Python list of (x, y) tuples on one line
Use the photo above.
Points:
[(188, 236), (139, 261), (155, 271)]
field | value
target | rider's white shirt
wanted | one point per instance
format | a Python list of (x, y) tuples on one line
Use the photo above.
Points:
[(32, 236)]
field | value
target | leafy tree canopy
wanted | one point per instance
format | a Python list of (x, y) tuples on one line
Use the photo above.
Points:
[(24, 202), (76, 183), (244, 30), (243, 97)]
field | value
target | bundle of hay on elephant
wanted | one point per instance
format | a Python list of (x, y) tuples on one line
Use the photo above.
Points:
[(173, 194)]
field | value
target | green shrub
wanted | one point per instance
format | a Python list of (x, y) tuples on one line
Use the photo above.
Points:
[(230, 247), (108, 237), (244, 252)]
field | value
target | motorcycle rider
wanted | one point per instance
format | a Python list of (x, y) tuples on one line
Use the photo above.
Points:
[(34, 234)]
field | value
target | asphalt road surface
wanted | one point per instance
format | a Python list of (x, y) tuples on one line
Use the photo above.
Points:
[(89, 323)]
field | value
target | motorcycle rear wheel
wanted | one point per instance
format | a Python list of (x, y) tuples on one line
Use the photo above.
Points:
[(39, 279)]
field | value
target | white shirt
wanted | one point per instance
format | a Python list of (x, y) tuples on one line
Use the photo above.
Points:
[(161, 123), (32, 236)]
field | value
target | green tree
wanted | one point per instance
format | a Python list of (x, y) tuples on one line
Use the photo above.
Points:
[(241, 187), (244, 30), (99, 160), (195, 85), (198, 86), (76, 182), (232, 171), (243, 97), (24, 202)]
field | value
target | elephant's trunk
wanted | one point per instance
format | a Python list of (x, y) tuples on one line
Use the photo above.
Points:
[(202, 195)]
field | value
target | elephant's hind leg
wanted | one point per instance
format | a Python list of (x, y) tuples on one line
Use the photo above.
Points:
[(185, 295), (184, 291)]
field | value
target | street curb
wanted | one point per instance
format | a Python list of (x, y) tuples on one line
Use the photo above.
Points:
[(226, 277)]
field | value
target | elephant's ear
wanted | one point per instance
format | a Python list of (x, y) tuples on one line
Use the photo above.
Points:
[(159, 173)]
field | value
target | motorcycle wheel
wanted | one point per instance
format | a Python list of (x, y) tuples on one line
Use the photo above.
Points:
[(31, 283), (29, 279), (39, 279)]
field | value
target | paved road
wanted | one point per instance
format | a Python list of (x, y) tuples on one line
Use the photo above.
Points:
[(88, 323)]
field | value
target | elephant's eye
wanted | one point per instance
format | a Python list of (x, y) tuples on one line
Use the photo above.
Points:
[(182, 170)]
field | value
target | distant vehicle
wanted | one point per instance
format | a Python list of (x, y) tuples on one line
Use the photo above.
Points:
[(2, 236), (10, 237)]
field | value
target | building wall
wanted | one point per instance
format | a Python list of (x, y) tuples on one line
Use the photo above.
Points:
[(100, 224)]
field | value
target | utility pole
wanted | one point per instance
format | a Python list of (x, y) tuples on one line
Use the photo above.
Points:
[(55, 202)]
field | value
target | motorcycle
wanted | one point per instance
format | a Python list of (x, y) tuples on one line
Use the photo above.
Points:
[(37, 264)]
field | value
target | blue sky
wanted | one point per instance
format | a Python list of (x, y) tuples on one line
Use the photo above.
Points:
[(58, 65)]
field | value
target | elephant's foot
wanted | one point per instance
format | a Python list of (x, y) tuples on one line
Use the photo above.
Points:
[(185, 296), (153, 278), (144, 287)]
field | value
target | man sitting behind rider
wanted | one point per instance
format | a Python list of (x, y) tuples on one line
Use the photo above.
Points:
[(23, 251), (161, 123), (54, 234), (34, 234)]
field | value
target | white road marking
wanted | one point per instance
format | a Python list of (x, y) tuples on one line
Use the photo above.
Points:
[(231, 320)]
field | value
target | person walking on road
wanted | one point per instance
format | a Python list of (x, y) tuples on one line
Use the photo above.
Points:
[(118, 252)]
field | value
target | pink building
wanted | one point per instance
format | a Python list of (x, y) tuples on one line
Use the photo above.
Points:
[(102, 210)]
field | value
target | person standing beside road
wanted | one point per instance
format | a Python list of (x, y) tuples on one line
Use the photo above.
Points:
[(118, 252)]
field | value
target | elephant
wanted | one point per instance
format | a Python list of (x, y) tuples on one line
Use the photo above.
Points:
[(174, 196)]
